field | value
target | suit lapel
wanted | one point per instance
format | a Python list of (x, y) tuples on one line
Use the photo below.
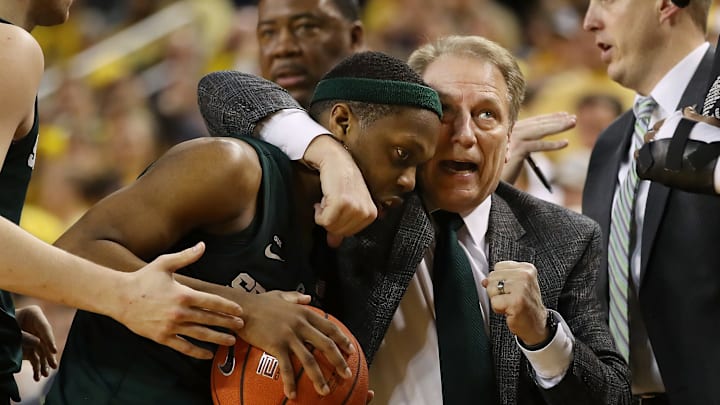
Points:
[(610, 151), (658, 194), (413, 237), (504, 239)]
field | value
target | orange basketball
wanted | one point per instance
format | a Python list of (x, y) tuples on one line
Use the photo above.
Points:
[(245, 375)]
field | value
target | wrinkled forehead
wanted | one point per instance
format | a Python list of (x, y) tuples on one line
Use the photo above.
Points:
[(471, 89), (462, 71)]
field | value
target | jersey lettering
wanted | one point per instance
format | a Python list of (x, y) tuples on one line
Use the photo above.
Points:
[(247, 283)]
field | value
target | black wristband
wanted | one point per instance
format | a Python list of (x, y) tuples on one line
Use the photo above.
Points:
[(551, 325)]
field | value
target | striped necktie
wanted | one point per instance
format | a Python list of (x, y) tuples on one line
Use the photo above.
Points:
[(466, 364), (622, 227)]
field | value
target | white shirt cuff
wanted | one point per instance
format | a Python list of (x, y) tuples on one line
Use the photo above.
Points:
[(552, 361), (717, 177), (291, 130)]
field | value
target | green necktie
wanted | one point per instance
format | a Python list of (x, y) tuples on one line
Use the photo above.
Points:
[(466, 365)]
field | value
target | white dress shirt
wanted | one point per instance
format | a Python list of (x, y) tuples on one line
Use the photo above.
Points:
[(293, 142), (645, 373)]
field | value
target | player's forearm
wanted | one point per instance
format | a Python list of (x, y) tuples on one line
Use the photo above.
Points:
[(32, 267), (103, 252)]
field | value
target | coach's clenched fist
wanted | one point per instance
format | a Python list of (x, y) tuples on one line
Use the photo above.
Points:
[(514, 292)]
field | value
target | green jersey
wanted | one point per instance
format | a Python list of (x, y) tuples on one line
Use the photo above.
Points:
[(105, 363)]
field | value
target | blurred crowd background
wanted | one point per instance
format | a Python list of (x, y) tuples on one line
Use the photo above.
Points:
[(121, 79)]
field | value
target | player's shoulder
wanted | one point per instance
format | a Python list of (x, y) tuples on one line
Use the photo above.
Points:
[(219, 161), (211, 175), (221, 151), (19, 48)]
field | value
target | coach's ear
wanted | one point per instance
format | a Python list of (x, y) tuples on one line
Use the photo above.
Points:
[(339, 123), (667, 10)]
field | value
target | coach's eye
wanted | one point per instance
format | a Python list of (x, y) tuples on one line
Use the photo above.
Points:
[(486, 115)]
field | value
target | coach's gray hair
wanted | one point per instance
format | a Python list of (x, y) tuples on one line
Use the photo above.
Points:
[(480, 48)]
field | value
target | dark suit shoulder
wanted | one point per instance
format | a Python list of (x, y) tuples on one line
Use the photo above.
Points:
[(619, 123), (541, 217), (616, 135)]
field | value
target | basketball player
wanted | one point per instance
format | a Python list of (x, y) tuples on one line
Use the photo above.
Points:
[(254, 209)]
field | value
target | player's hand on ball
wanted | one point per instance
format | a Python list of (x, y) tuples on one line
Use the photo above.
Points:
[(282, 328), (159, 308), (514, 292), (38, 341)]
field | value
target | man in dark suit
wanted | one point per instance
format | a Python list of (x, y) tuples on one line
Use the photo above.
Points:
[(669, 269), (533, 263)]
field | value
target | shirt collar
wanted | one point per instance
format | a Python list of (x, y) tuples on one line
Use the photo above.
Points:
[(477, 220), (666, 92)]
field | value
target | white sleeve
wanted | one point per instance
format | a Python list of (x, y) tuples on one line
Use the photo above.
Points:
[(291, 130), (717, 177), (552, 361)]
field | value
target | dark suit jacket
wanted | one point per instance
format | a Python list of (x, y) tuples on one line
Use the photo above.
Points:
[(680, 272), (565, 248), (375, 267)]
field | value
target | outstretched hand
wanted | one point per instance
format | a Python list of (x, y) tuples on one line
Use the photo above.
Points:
[(528, 136), (346, 207), (159, 308), (38, 340)]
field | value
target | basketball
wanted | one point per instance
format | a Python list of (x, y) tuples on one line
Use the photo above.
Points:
[(245, 375)]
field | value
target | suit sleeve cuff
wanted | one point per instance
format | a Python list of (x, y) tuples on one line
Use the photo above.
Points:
[(552, 361), (291, 130)]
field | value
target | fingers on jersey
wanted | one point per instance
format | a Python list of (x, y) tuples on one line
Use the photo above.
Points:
[(40, 356), (185, 347)]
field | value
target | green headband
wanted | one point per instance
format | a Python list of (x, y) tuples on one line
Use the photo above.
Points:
[(377, 91)]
